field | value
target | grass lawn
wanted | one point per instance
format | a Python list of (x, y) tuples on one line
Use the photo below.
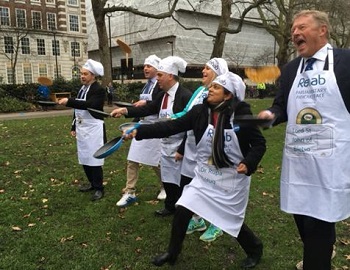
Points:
[(45, 223)]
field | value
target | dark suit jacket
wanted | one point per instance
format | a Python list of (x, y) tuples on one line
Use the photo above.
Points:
[(155, 92), (95, 99), (182, 96), (342, 74)]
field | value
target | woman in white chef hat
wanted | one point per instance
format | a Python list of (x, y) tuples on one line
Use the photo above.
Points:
[(227, 155)]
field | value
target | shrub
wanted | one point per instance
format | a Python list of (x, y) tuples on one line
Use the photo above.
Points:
[(128, 92), (10, 104)]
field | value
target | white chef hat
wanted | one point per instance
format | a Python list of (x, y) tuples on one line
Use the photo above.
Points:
[(152, 60), (172, 65), (233, 83), (94, 67), (218, 65)]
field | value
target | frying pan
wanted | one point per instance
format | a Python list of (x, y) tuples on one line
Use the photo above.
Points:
[(113, 145), (98, 112), (126, 126), (46, 103), (123, 104), (252, 120)]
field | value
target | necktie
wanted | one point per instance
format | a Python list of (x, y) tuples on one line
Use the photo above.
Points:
[(147, 87), (165, 101), (309, 63), (82, 92)]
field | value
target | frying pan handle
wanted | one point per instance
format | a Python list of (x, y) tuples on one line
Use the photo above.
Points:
[(136, 126)]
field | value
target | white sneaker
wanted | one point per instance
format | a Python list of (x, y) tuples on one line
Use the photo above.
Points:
[(126, 200), (161, 195)]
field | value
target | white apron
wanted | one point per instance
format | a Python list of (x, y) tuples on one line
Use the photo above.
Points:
[(218, 195), (146, 151), (315, 179), (170, 169), (89, 135), (189, 161)]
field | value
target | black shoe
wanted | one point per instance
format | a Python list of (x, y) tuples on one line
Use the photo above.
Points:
[(250, 262), (164, 212), (164, 258), (86, 188), (97, 195)]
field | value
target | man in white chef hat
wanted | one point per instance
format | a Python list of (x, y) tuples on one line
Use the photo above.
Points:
[(91, 95), (173, 99), (145, 152)]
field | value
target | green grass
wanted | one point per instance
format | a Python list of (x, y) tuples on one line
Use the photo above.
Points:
[(45, 223)]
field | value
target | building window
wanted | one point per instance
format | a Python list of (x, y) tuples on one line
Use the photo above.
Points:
[(51, 21), (41, 46), (56, 48), (74, 23), (25, 45), (36, 17), (42, 70), (27, 73), (8, 44), (50, 1), (9, 74), (73, 2), (75, 49), (4, 16), (21, 18)]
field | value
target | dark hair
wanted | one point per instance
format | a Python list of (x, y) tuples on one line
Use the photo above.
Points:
[(225, 109)]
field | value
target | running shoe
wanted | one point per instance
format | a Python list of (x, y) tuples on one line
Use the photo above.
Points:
[(126, 199), (196, 226), (211, 234)]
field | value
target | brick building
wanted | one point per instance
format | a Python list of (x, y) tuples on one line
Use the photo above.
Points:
[(41, 38)]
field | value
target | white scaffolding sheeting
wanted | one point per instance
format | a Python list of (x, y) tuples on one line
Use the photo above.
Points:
[(149, 36)]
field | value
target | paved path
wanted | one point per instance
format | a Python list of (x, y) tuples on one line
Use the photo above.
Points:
[(42, 114)]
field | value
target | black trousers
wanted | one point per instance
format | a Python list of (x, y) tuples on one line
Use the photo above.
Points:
[(95, 176), (250, 243), (318, 237), (184, 181), (173, 193)]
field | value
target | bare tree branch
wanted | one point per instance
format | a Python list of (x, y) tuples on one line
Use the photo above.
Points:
[(193, 28), (141, 13)]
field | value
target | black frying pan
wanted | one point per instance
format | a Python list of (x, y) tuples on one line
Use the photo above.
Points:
[(252, 120), (123, 104), (46, 103), (98, 112)]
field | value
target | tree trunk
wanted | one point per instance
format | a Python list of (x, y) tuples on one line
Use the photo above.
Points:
[(224, 21), (99, 15)]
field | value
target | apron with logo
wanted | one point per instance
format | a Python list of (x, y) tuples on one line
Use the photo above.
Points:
[(315, 178), (189, 161), (89, 135), (169, 168), (146, 151), (220, 196)]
